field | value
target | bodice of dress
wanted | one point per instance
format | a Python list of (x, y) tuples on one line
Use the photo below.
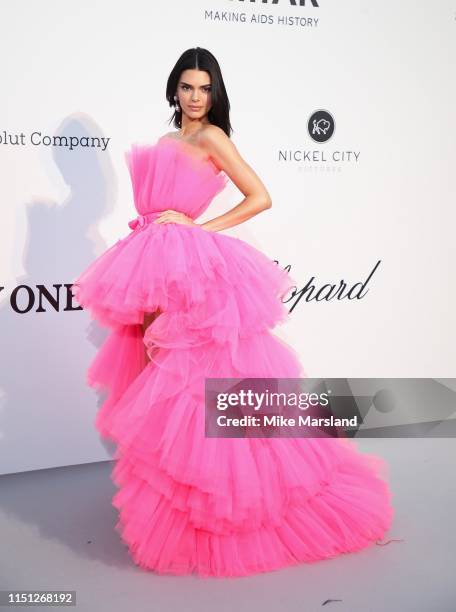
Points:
[(170, 174)]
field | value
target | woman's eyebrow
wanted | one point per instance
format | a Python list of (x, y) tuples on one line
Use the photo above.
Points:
[(184, 83)]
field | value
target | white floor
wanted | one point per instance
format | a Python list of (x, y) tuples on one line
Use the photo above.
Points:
[(57, 532)]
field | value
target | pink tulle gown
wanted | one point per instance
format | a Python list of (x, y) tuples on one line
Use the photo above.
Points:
[(189, 503)]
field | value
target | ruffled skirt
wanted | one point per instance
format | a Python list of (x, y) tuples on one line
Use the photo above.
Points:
[(213, 506)]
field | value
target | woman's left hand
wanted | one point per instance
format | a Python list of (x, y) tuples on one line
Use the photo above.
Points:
[(173, 216)]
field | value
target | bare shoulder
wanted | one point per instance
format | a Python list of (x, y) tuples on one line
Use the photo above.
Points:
[(219, 146), (212, 136)]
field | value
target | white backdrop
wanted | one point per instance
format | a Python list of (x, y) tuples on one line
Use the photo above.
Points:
[(383, 71)]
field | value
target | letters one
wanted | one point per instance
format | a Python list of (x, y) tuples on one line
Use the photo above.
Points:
[(25, 298)]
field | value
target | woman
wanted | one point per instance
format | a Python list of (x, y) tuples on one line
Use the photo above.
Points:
[(185, 303)]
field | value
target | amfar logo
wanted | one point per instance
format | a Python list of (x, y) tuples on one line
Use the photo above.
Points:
[(321, 126), (292, 2)]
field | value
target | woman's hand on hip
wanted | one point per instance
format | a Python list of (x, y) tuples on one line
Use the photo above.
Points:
[(173, 216)]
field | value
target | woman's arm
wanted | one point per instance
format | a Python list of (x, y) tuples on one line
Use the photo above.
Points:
[(227, 158)]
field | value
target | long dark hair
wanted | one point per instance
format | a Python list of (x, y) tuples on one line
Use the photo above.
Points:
[(198, 58)]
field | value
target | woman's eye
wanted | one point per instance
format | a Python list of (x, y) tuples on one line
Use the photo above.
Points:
[(185, 87)]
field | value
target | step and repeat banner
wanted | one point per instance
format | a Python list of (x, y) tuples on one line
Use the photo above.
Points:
[(345, 109)]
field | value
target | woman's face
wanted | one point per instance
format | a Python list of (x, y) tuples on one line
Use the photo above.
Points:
[(194, 93)]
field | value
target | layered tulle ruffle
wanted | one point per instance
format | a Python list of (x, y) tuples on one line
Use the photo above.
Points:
[(185, 269), (231, 506)]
